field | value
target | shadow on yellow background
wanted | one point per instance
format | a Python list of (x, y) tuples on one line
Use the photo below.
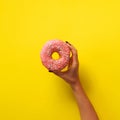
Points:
[(27, 90)]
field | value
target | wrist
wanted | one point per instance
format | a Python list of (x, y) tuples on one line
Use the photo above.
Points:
[(76, 85)]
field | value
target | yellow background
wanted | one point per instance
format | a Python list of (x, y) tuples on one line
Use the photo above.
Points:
[(27, 90)]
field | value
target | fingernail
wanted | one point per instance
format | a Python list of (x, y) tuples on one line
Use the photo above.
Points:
[(50, 71), (67, 42)]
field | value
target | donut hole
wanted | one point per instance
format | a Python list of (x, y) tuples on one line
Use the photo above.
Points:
[(55, 55)]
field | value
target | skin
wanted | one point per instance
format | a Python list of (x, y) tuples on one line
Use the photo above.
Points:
[(71, 76)]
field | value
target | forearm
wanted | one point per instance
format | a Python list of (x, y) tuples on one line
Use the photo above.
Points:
[(85, 107)]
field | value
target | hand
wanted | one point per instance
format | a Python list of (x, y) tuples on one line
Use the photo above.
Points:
[(71, 75)]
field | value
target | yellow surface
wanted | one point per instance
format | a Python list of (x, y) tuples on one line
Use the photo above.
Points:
[(27, 90)]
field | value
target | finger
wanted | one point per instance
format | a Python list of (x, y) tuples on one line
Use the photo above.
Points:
[(70, 62), (74, 53)]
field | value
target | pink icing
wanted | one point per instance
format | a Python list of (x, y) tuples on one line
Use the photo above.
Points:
[(55, 46)]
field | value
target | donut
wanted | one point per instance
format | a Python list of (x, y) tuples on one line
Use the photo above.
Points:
[(49, 48)]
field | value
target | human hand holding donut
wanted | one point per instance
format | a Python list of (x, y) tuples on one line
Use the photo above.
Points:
[(57, 65)]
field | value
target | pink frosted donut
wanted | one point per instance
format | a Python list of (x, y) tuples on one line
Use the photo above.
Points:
[(55, 46)]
